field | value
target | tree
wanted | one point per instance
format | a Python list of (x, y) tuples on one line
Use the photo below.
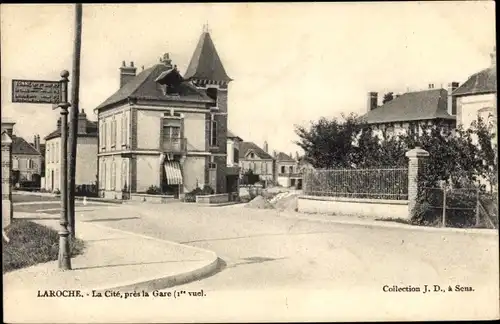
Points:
[(388, 97), (328, 143)]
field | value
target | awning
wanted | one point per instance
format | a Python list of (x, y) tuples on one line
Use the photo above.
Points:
[(173, 173)]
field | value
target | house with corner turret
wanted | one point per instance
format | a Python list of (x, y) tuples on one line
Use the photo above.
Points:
[(165, 130)]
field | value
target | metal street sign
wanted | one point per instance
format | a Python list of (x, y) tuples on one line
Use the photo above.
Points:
[(37, 92)]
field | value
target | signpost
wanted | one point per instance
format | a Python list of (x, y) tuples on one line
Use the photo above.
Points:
[(31, 91), (56, 93)]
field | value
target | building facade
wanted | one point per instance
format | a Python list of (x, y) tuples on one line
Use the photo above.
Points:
[(477, 97), (165, 131), (26, 159), (258, 160), (410, 112), (233, 156), (288, 172), (86, 155)]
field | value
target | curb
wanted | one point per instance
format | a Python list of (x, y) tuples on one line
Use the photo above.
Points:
[(164, 282), (386, 224), (219, 205), (157, 283)]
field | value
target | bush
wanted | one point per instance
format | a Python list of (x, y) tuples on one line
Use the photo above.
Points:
[(154, 190), (191, 196), (31, 243)]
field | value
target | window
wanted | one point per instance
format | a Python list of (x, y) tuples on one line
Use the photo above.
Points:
[(30, 164), (126, 130), (212, 165), (282, 169), (103, 177), (113, 132), (252, 155), (100, 134), (290, 168), (236, 155), (15, 163), (104, 135), (213, 133), (212, 93), (48, 154), (124, 174), (113, 175)]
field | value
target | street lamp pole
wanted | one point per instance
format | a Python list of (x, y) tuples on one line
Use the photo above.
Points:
[(64, 250)]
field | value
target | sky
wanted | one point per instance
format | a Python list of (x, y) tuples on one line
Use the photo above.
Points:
[(291, 62)]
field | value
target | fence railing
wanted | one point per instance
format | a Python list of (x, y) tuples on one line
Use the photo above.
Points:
[(389, 184), (454, 207)]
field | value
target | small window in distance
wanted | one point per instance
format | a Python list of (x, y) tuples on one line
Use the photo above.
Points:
[(212, 166), (236, 155), (212, 93)]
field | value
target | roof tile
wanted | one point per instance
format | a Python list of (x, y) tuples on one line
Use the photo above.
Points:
[(247, 146), (421, 105)]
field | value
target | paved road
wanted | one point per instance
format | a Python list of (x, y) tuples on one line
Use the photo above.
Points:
[(263, 251)]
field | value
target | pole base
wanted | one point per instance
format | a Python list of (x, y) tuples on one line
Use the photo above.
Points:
[(64, 252)]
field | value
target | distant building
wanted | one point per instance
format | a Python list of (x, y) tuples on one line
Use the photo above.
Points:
[(26, 159), (407, 113), (86, 154), (477, 97), (287, 170), (164, 130), (254, 158), (233, 156)]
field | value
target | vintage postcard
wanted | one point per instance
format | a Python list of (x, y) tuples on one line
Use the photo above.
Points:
[(249, 162)]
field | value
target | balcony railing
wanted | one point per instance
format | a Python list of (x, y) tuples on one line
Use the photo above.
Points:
[(173, 145), (290, 175)]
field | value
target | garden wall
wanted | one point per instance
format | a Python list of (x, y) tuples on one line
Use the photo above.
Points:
[(370, 208)]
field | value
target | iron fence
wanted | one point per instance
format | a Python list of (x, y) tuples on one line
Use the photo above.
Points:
[(455, 207), (358, 183)]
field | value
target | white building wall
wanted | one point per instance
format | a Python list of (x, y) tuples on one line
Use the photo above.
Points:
[(193, 172), (194, 131)]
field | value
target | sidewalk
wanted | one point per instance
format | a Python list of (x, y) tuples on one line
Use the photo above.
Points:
[(369, 222), (112, 260), (53, 195)]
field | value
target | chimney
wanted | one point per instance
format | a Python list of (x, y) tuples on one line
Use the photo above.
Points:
[(266, 147), (36, 142), (165, 59), (82, 122), (493, 57), (372, 100), (296, 155), (452, 100), (275, 155), (127, 73)]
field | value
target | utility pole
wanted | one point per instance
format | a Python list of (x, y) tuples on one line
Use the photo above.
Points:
[(73, 128)]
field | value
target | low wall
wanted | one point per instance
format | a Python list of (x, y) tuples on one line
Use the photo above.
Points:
[(158, 199), (212, 199), (372, 208)]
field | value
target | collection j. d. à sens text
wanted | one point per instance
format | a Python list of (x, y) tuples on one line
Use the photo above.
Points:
[(426, 289)]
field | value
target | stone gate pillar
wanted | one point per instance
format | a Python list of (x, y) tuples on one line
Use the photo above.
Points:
[(7, 211), (417, 159)]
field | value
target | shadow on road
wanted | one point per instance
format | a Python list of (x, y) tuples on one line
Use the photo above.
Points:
[(109, 219), (38, 218), (252, 236), (134, 264)]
